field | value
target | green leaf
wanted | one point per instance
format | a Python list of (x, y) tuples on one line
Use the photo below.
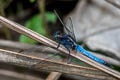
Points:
[(35, 24)]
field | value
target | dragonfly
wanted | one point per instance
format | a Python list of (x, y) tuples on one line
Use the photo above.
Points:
[(68, 40)]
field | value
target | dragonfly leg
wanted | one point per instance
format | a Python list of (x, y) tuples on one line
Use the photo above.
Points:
[(68, 57), (58, 45)]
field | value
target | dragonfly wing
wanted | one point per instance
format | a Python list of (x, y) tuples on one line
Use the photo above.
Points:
[(69, 28)]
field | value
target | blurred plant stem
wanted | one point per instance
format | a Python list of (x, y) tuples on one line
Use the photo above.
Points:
[(41, 4), (3, 5)]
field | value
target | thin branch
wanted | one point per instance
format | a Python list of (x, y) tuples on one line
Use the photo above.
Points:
[(28, 61), (54, 76), (16, 46)]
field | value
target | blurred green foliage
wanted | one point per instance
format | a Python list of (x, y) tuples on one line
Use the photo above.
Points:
[(35, 24), (32, 1)]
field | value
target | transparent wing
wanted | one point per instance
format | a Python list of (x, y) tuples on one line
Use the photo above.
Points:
[(68, 27)]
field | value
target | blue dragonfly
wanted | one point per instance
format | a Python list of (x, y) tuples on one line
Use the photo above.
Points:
[(68, 40)]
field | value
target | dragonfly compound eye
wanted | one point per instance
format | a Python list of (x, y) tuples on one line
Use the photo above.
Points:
[(57, 34)]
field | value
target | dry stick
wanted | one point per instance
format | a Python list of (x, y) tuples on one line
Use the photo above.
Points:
[(22, 46), (54, 76), (23, 60), (19, 46), (21, 29)]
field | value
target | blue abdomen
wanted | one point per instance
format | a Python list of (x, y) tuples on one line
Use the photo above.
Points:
[(82, 50)]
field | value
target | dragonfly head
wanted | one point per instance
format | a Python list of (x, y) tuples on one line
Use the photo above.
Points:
[(57, 35)]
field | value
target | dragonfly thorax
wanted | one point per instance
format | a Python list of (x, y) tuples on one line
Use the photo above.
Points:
[(68, 41), (65, 40)]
